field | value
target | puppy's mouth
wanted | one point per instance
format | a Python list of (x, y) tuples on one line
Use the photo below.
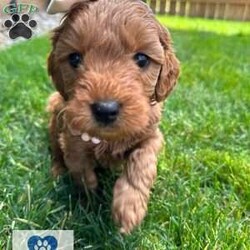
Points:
[(86, 137), (96, 134), (107, 120)]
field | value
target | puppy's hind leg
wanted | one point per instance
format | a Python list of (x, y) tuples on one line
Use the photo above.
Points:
[(55, 107)]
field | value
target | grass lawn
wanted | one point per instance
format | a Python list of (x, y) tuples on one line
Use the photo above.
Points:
[(201, 199)]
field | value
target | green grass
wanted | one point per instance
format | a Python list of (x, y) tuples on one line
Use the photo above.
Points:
[(201, 199)]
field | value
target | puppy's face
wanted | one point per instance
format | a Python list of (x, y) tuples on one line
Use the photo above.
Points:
[(109, 60)]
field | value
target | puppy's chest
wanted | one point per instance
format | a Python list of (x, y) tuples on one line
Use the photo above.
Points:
[(108, 154)]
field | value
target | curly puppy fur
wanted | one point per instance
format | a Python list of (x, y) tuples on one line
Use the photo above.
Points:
[(108, 33)]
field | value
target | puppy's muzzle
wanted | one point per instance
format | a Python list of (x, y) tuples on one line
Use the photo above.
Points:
[(105, 112)]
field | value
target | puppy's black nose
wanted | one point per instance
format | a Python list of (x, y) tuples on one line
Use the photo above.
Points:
[(105, 112)]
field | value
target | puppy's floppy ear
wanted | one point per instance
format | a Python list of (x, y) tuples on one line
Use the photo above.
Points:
[(53, 66), (170, 68)]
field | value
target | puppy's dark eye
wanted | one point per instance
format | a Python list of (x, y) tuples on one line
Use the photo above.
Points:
[(141, 60), (75, 59)]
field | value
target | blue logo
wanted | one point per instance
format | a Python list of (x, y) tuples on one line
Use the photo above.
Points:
[(47, 243)]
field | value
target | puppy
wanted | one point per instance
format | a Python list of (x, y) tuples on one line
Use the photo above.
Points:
[(113, 65)]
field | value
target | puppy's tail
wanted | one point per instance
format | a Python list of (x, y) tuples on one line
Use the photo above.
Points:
[(55, 104)]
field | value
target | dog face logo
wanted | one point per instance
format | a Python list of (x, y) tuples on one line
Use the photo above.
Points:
[(20, 26), (47, 243)]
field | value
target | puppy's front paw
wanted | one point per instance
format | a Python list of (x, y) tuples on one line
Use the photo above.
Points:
[(129, 206)]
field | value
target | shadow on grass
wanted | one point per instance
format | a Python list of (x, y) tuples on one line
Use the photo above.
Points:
[(89, 213)]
